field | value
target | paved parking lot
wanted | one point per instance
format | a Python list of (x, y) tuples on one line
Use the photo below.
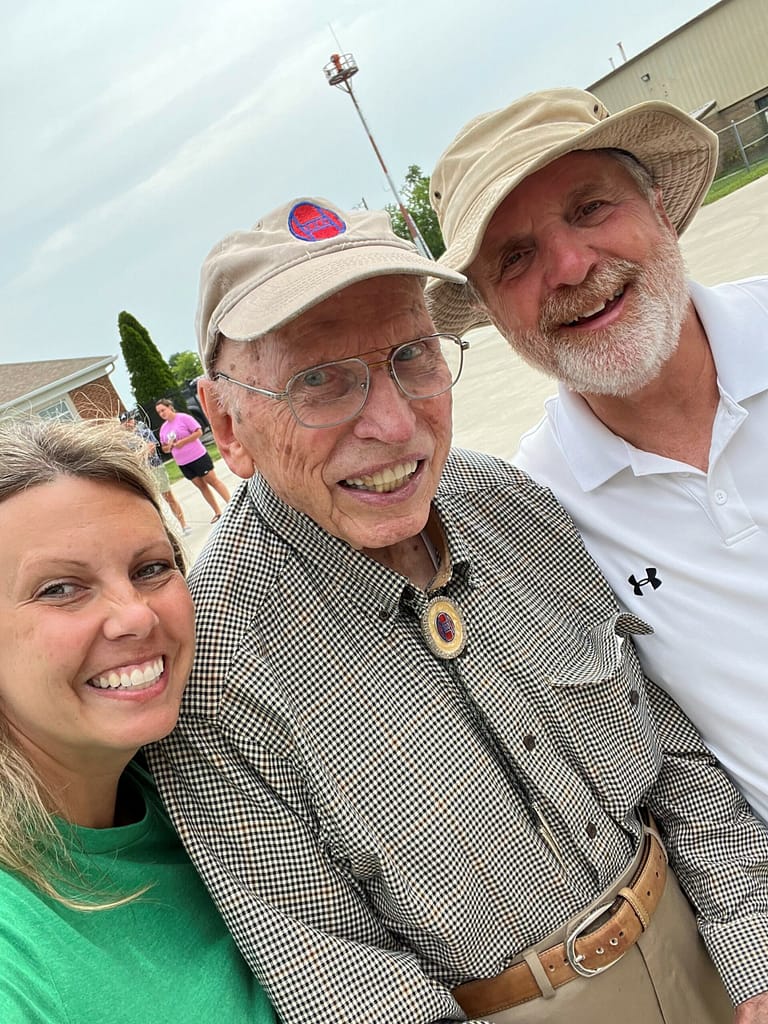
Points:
[(499, 397)]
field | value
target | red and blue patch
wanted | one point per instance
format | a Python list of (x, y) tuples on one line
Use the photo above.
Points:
[(312, 223), (445, 627)]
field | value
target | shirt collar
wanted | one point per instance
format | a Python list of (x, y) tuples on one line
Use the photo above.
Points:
[(735, 317), (370, 581), (593, 452)]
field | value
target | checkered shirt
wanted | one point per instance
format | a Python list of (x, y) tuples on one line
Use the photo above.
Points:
[(362, 810)]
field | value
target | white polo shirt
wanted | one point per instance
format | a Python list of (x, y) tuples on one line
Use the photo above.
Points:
[(685, 550)]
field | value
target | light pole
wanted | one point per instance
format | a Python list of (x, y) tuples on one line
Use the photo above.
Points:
[(338, 72)]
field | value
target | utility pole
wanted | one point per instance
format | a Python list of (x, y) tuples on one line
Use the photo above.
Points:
[(338, 72)]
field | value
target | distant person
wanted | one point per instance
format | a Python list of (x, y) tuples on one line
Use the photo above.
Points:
[(565, 220), (103, 916), (417, 753), (180, 435), (129, 422)]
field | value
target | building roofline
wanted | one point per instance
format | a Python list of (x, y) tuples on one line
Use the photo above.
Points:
[(98, 365), (653, 46)]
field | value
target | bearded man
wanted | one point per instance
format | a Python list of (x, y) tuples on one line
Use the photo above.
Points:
[(565, 221)]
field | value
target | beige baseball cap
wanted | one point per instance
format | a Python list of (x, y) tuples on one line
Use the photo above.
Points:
[(494, 152), (255, 281)]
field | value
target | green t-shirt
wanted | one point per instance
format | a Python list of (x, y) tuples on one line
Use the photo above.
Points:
[(164, 958)]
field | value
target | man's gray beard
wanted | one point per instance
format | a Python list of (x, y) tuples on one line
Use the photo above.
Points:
[(626, 356)]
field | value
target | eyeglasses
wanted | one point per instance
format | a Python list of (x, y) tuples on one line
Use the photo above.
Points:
[(330, 394)]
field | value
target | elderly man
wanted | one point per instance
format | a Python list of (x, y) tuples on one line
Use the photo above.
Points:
[(415, 758), (565, 220)]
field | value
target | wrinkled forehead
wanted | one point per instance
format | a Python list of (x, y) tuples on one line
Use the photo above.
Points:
[(569, 179)]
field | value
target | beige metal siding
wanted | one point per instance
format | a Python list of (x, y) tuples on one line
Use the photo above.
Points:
[(721, 55)]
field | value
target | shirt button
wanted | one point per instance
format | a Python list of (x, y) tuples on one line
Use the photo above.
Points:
[(529, 742), (384, 613), (591, 830), (634, 698), (721, 497)]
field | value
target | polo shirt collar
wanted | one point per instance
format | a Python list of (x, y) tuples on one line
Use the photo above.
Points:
[(593, 452), (736, 321)]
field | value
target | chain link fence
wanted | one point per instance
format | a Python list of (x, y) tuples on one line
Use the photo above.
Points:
[(743, 144)]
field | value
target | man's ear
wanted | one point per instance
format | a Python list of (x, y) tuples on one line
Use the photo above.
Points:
[(224, 430), (658, 204)]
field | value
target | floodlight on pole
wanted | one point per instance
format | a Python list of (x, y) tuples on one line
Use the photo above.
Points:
[(338, 72)]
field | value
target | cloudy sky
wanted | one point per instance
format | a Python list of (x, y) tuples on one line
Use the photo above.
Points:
[(137, 134)]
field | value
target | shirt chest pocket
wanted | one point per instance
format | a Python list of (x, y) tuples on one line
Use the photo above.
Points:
[(599, 654), (600, 703)]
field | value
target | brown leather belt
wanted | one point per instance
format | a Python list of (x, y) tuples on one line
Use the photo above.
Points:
[(584, 953)]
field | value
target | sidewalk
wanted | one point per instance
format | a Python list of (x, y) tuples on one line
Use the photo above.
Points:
[(499, 396)]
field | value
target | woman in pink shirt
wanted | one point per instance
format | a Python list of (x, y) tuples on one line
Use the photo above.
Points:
[(180, 435)]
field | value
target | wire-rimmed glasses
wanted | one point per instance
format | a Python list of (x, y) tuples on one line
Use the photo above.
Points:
[(332, 393)]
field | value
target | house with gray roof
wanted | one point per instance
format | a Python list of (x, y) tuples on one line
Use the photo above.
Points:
[(68, 389)]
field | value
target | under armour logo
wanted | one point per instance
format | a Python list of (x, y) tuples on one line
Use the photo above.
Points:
[(652, 578)]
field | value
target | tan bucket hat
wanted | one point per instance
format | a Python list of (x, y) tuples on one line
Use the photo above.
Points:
[(494, 152), (255, 281)]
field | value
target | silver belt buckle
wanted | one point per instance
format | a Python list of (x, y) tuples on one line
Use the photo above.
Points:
[(574, 958)]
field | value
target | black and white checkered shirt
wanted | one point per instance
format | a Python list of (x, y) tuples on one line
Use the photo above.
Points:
[(362, 810)]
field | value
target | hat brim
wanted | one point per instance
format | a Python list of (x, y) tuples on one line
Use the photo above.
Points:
[(680, 154), (298, 288)]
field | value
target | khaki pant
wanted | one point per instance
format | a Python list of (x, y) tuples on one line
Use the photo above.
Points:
[(665, 978)]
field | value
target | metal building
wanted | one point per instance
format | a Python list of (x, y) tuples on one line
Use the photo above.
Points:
[(715, 67)]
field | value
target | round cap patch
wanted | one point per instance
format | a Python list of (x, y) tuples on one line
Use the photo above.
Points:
[(312, 223)]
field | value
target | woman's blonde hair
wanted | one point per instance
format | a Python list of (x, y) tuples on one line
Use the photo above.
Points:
[(36, 452)]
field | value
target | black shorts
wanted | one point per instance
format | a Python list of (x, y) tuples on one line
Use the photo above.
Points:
[(197, 468)]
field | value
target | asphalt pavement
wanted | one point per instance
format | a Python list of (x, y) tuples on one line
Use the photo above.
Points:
[(499, 396)]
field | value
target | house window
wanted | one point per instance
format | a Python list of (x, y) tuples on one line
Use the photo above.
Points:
[(57, 411)]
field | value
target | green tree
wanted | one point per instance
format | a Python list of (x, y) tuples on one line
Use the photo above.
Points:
[(415, 196), (151, 376), (185, 366)]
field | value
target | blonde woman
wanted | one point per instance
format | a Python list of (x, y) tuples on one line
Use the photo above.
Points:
[(103, 917)]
